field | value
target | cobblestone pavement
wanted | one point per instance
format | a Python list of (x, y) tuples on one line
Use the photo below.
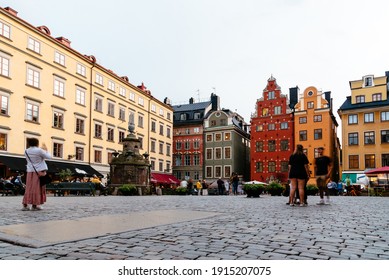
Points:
[(248, 228)]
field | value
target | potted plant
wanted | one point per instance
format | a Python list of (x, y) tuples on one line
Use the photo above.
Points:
[(253, 190), (65, 175), (312, 189), (181, 190), (275, 189), (127, 190)]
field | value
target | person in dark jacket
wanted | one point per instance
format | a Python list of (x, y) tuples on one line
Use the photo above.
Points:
[(298, 173)]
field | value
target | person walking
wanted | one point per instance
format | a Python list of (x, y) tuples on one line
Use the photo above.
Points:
[(35, 194), (199, 186), (323, 168), (298, 173)]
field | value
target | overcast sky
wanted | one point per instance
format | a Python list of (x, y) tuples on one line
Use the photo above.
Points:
[(182, 49)]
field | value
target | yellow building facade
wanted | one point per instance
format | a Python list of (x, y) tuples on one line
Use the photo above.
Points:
[(315, 126), (365, 126), (77, 107)]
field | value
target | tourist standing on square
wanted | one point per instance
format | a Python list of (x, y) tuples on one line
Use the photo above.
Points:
[(36, 166), (235, 183), (298, 173), (323, 168)]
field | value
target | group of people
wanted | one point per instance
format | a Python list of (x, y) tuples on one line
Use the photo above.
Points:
[(15, 183), (299, 174), (201, 186)]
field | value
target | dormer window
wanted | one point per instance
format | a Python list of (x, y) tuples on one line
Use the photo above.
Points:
[(368, 81)]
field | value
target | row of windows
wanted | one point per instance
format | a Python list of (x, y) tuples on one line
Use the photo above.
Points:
[(218, 171), (368, 117), (272, 126), (187, 160), (271, 166), (187, 174), (226, 136), (272, 146), (362, 98), (369, 161), (317, 134), (316, 118), (187, 145), (161, 147), (34, 73), (218, 153), (368, 137), (277, 110)]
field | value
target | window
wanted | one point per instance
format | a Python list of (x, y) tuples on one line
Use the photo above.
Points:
[(132, 96), (59, 87), (141, 101), (384, 137), (209, 138), (111, 85), (57, 150), (303, 120), (360, 99), (271, 95), (259, 146), (218, 171), (99, 79), (284, 145), (369, 117), (353, 138), (80, 125), (277, 110), (160, 165), (81, 69), (369, 161), (168, 150), (272, 145), (377, 97), (218, 153), (178, 145), (121, 136), (4, 100), (98, 130), (209, 153), (153, 126), (187, 131), (161, 112), (227, 136), (5, 30), (186, 145), (98, 104), (131, 117), (227, 152), (208, 171), (303, 135), (218, 137), (34, 45), (110, 133), (284, 125), (284, 166), (168, 132), (353, 119), (196, 144), (160, 148), (4, 64), (271, 126), (152, 146), (310, 105), (317, 118), (227, 171), (122, 113), (385, 159), (259, 166), (259, 127), (369, 137), (265, 112), (140, 120), (80, 96), (58, 118), (59, 58), (317, 134), (32, 112), (98, 156), (223, 122), (353, 161), (3, 141), (161, 128), (122, 91), (367, 81), (385, 116), (197, 116), (212, 123), (187, 160), (178, 160), (79, 153), (272, 166), (111, 109), (33, 76)]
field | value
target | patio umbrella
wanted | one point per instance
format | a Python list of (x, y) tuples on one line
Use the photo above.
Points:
[(255, 182), (380, 170)]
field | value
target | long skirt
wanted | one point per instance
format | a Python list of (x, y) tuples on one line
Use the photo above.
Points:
[(34, 194)]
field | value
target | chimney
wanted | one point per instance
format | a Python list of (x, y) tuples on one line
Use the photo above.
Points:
[(11, 11), (191, 100), (327, 95), (215, 100), (64, 41), (167, 101), (293, 96)]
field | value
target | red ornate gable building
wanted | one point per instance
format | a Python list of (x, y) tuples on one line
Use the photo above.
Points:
[(272, 127)]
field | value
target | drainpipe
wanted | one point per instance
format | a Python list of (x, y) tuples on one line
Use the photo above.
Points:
[(90, 112)]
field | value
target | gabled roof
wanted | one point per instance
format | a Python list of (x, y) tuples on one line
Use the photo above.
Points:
[(348, 106), (191, 107)]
